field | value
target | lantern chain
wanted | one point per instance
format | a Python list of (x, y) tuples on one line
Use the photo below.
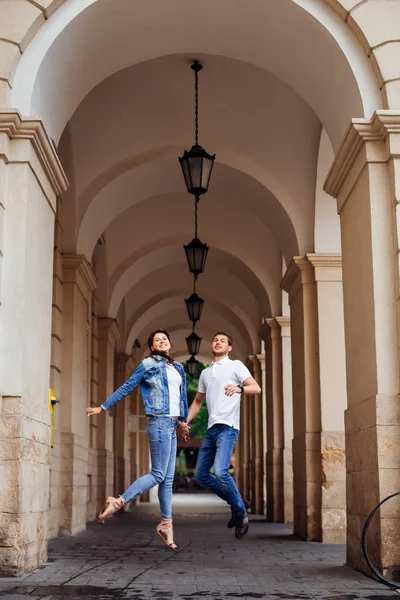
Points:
[(196, 105), (196, 202)]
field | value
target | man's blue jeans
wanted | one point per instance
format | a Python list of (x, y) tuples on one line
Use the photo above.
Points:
[(161, 432), (217, 449)]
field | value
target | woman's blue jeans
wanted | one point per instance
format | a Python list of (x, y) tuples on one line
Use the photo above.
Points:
[(217, 449), (161, 432)]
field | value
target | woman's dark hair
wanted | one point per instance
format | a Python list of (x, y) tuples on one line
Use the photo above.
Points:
[(157, 352)]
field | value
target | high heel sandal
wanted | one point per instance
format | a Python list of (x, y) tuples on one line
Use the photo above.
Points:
[(166, 533), (110, 507)]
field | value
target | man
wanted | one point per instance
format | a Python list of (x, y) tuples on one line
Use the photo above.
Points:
[(222, 384)]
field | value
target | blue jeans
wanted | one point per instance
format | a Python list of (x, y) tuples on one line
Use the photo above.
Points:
[(217, 449), (161, 432)]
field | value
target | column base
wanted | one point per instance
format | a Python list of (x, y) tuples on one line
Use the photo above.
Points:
[(307, 486), (24, 490), (105, 469), (319, 487), (287, 486), (333, 481), (245, 478), (372, 449), (74, 488), (258, 507), (275, 504)]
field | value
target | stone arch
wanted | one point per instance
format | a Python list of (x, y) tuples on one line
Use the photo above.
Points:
[(319, 11), (134, 274)]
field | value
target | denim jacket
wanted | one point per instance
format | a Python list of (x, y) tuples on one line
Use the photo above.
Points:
[(151, 374)]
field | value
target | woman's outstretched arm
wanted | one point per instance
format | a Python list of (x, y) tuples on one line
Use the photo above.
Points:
[(123, 391)]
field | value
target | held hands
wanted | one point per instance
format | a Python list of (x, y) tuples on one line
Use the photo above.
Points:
[(95, 410), (232, 389), (183, 431)]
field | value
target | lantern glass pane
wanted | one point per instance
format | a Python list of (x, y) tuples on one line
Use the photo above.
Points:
[(200, 257), (195, 168), (186, 173), (207, 168), (197, 258)]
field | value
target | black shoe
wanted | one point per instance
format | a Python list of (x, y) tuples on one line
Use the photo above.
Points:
[(232, 521), (241, 525)]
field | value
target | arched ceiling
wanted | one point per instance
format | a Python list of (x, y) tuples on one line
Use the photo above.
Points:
[(112, 82), (96, 38)]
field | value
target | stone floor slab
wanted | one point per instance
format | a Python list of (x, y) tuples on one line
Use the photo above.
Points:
[(125, 559)]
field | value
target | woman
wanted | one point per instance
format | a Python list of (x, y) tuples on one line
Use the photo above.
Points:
[(163, 390)]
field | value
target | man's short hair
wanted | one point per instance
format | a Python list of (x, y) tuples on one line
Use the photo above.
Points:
[(230, 339)]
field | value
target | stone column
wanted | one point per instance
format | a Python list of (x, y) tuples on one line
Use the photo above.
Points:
[(31, 178), (257, 442), (365, 180), (108, 336), (245, 448), (239, 454), (95, 491), (135, 428), (284, 323), (276, 334), (263, 384), (319, 396), (122, 449), (78, 285), (55, 374), (275, 442)]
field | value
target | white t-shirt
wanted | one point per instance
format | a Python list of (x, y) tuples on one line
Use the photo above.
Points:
[(213, 379), (174, 386)]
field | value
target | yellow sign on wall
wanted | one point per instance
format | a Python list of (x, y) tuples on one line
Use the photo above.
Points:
[(52, 403)]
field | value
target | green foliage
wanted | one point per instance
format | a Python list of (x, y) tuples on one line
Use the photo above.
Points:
[(198, 427)]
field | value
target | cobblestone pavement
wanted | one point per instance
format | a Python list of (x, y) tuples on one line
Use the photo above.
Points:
[(125, 559)]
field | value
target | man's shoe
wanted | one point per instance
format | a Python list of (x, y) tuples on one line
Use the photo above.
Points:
[(241, 525), (232, 521)]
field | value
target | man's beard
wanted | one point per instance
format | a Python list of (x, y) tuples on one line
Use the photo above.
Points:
[(218, 353)]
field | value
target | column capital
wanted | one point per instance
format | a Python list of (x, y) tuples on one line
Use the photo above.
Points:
[(14, 127), (299, 271), (284, 322), (76, 269), (373, 140), (327, 267), (253, 359), (109, 329), (124, 361), (275, 327), (275, 330), (261, 360), (311, 268), (121, 359)]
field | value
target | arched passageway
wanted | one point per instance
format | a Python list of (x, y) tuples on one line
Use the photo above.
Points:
[(96, 172)]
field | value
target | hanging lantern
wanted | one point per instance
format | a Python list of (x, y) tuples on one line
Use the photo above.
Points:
[(196, 166), (196, 256), (192, 365), (194, 305), (196, 163), (193, 342)]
